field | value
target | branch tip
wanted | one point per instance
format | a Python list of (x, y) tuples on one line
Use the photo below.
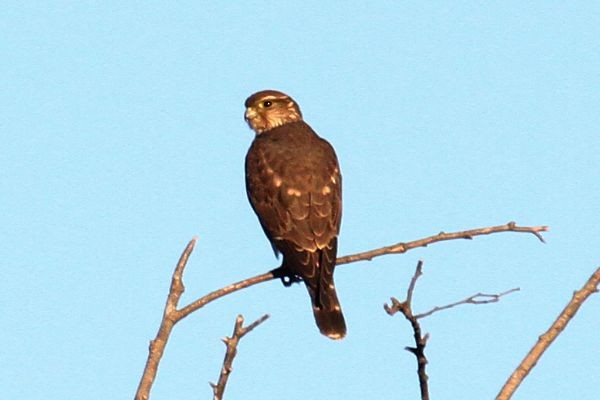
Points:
[(232, 342), (403, 247), (478, 298)]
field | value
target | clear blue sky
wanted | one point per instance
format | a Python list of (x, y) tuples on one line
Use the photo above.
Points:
[(123, 137)]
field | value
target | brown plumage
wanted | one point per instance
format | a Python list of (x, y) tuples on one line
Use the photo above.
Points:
[(294, 185)]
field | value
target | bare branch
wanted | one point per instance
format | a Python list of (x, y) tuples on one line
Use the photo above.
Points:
[(172, 315), (413, 283), (399, 248), (420, 341), (545, 340), (231, 343), (157, 346), (234, 287), (479, 298), (405, 307)]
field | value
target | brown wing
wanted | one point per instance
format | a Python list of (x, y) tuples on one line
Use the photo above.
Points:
[(294, 185)]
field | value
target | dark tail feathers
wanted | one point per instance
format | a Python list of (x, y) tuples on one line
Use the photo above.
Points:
[(328, 315)]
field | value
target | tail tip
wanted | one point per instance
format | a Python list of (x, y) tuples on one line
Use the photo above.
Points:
[(331, 323), (334, 335)]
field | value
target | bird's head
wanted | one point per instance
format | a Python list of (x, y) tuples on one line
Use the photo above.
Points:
[(269, 109)]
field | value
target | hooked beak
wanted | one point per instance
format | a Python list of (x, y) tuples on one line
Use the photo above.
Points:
[(250, 114)]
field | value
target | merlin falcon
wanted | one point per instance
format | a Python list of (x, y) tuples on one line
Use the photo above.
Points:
[(294, 185)]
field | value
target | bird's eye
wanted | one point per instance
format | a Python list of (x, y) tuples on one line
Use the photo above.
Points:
[(267, 103)]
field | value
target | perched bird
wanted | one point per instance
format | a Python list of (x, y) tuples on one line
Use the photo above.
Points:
[(294, 185)]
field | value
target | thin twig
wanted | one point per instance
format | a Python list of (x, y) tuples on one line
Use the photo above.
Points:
[(172, 315), (234, 287), (545, 340), (405, 307), (231, 343), (479, 298)]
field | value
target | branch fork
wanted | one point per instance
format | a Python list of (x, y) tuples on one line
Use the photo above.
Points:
[(172, 314)]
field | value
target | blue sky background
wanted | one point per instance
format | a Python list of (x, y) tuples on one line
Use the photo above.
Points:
[(123, 137)]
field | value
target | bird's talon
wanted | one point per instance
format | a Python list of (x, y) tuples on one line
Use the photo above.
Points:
[(289, 280)]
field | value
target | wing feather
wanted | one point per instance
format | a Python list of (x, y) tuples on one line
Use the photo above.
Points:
[(294, 185)]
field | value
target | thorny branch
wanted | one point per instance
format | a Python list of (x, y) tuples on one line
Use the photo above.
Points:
[(172, 314), (405, 307), (239, 330), (545, 340)]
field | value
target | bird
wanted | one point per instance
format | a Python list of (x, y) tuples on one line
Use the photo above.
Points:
[(294, 186)]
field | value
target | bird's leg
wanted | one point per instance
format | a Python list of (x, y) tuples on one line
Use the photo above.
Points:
[(287, 277)]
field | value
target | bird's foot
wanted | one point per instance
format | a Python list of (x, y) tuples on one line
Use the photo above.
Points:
[(287, 278)]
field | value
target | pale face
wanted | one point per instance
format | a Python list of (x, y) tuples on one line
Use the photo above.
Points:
[(269, 109)]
